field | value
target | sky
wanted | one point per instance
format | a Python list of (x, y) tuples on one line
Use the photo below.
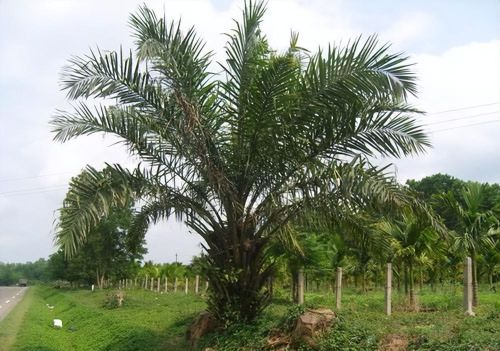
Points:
[(455, 45)]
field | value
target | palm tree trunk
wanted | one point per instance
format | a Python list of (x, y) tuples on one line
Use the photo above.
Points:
[(411, 286), (474, 280), (363, 277), (421, 280), (295, 292), (271, 286), (405, 278), (237, 277)]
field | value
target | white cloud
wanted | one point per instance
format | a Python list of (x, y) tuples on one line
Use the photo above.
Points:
[(411, 26), (460, 77)]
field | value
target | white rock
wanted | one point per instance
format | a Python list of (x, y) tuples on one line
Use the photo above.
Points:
[(57, 323)]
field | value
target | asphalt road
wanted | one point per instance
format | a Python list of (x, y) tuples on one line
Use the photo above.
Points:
[(9, 297)]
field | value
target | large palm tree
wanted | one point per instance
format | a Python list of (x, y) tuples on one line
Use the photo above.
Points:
[(476, 225), (238, 154)]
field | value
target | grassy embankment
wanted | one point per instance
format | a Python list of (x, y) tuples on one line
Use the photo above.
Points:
[(147, 321), (150, 321)]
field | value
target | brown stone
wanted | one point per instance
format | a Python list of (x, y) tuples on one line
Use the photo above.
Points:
[(312, 323), (203, 324)]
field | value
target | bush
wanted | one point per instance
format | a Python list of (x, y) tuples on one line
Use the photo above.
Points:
[(114, 300), (287, 322)]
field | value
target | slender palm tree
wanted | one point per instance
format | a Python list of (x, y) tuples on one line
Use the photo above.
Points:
[(412, 238), (476, 225), (238, 154)]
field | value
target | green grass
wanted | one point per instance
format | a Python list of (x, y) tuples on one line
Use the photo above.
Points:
[(150, 321), (361, 324), (147, 321)]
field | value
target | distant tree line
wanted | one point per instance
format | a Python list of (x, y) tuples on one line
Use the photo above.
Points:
[(37, 271)]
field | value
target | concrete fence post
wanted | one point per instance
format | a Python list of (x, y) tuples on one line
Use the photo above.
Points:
[(175, 284), (152, 283), (166, 284), (186, 287), (196, 284), (338, 288), (159, 285), (468, 287), (300, 283), (388, 290)]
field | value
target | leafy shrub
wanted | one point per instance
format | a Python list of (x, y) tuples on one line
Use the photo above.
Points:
[(113, 300), (287, 322)]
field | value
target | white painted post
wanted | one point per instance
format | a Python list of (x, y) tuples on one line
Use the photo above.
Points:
[(175, 285), (186, 287), (196, 284), (159, 285), (152, 283), (388, 290), (166, 284), (468, 287), (300, 282), (338, 288), (93, 287)]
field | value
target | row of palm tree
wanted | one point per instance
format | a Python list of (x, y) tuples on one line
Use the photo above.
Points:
[(412, 243)]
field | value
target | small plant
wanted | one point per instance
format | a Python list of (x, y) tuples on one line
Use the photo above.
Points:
[(287, 322), (114, 300)]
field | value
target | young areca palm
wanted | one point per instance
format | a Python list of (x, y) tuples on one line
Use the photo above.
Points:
[(412, 238), (477, 226), (239, 154)]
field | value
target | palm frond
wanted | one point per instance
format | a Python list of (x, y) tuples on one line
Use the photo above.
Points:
[(178, 57), (90, 197)]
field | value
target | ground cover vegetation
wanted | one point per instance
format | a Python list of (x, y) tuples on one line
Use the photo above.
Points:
[(151, 321)]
